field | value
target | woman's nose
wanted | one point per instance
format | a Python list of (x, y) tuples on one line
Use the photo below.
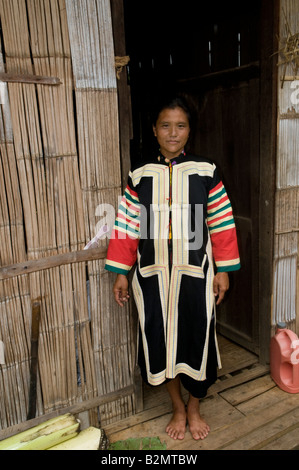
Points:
[(173, 131)]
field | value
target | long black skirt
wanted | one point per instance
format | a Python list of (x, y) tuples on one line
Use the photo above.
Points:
[(197, 388)]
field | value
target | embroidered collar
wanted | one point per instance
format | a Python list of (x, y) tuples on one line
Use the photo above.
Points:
[(163, 159)]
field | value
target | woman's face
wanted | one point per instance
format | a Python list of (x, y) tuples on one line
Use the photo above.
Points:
[(172, 131)]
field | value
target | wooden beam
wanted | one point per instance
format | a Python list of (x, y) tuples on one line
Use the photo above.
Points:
[(37, 79), (252, 68), (74, 409), (7, 272), (268, 143)]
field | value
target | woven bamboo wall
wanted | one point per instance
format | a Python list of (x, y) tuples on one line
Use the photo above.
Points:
[(59, 160), (286, 274)]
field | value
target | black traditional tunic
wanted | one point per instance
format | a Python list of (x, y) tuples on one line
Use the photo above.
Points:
[(175, 222)]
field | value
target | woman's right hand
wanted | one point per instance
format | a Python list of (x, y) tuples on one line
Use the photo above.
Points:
[(120, 290)]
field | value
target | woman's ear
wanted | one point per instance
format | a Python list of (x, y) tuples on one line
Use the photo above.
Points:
[(154, 131)]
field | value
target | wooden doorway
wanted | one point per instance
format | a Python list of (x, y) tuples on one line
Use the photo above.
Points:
[(220, 57), (228, 133)]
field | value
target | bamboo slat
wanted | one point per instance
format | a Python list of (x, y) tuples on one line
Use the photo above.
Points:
[(14, 293), (284, 302), (288, 166), (11, 223), (15, 332), (91, 41)]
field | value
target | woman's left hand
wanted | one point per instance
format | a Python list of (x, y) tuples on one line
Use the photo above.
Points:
[(220, 286)]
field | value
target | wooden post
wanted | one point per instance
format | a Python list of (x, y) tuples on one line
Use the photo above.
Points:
[(124, 94)]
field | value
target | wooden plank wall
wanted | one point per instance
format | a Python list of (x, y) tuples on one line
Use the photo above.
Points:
[(59, 148), (286, 274)]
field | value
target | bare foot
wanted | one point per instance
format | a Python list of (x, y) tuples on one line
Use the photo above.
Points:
[(177, 425), (198, 427)]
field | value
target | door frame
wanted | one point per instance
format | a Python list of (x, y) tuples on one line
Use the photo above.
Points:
[(268, 145)]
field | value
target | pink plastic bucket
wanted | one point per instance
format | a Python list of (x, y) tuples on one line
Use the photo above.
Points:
[(284, 359)]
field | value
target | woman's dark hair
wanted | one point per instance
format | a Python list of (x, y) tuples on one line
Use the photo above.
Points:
[(171, 102)]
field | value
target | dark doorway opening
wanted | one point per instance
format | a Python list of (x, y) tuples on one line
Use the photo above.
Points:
[(212, 52)]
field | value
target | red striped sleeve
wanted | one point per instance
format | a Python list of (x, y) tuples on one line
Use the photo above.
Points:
[(222, 228)]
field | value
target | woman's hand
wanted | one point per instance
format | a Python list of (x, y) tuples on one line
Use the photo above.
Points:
[(220, 286), (120, 289)]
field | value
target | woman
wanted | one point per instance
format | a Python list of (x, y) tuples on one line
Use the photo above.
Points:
[(175, 220)]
